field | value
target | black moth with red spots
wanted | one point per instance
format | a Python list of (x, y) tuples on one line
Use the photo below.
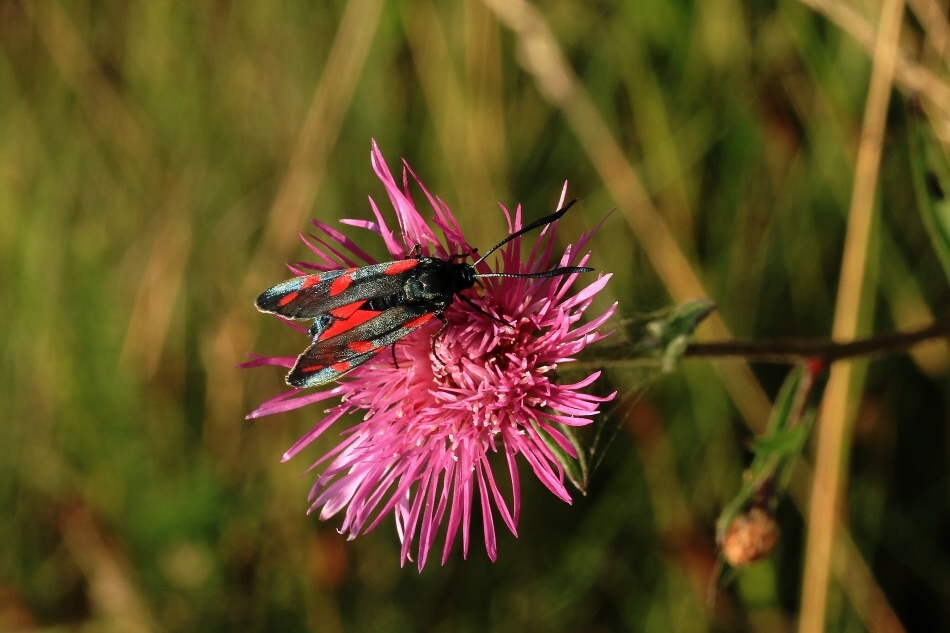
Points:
[(358, 312)]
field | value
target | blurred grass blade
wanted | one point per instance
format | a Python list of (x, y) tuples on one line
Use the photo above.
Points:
[(931, 182)]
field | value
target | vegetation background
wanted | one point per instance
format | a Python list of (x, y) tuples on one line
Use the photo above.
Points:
[(158, 158)]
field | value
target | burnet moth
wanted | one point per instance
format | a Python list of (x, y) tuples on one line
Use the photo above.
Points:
[(358, 312)]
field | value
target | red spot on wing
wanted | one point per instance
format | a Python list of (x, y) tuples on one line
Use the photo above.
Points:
[(361, 347), (344, 325), (310, 369), (287, 299), (344, 312), (342, 282), (341, 367), (401, 266), (312, 280), (419, 320)]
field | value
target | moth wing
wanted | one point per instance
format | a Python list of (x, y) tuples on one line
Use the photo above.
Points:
[(309, 296), (330, 357)]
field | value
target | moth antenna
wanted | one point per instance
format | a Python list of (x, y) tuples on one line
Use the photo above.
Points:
[(548, 219), (567, 270)]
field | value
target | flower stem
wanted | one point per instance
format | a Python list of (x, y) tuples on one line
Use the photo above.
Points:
[(796, 350)]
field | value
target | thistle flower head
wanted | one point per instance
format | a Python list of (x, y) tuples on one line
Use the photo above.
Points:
[(431, 420)]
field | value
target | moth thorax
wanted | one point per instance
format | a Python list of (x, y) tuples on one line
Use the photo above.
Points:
[(435, 285)]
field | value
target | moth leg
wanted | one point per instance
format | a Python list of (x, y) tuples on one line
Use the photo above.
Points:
[(471, 253), (445, 325), (415, 253), (393, 348), (480, 311)]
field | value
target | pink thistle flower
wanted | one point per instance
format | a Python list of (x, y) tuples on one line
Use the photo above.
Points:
[(430, 422)]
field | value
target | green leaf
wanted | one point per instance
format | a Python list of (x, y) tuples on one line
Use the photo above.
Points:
[(786, 442), (669, 334), (575, 468)]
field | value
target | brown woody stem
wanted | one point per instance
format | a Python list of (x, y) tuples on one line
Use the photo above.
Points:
[(796, 350)]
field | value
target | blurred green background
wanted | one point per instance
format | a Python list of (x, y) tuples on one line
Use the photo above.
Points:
[(157, 160)]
